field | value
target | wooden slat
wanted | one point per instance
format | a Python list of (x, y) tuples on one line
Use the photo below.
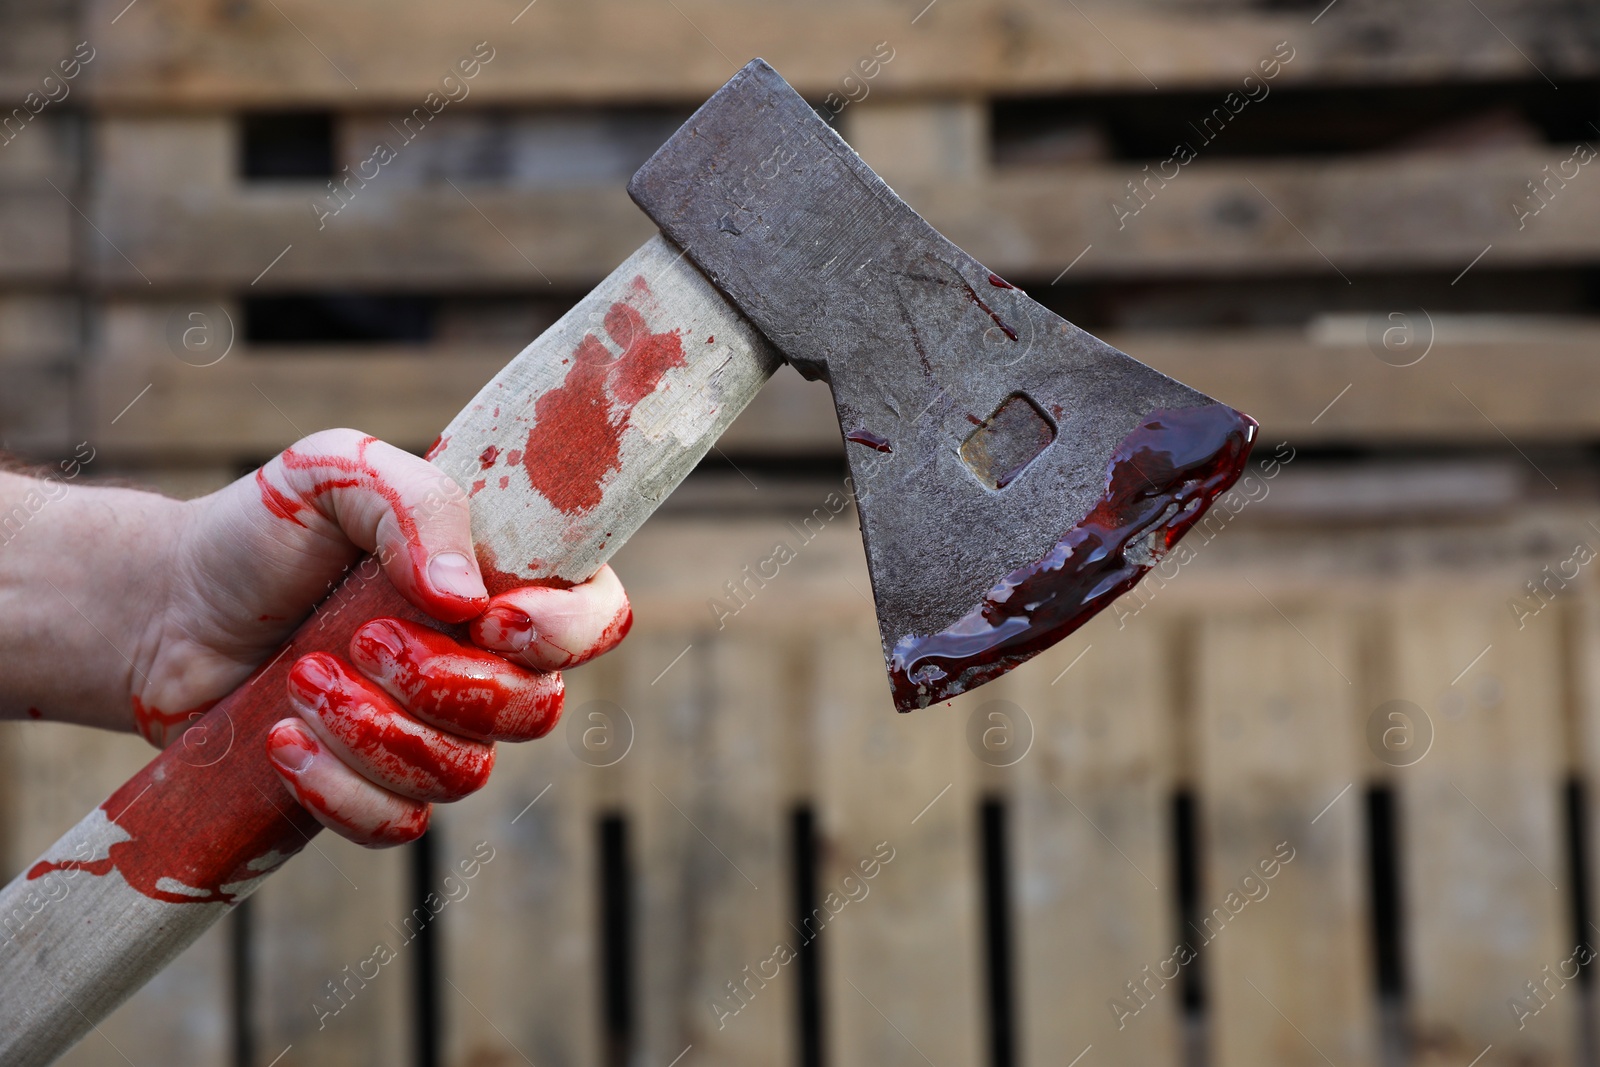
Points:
[(894, 992), (34, 37), (1372, 212), (1285, 378), (56, 773), (712, 838), (522, 953), (1481, 826), (181, 52), (258, 399), (328, 910), (1289, 980), (1094, 899)]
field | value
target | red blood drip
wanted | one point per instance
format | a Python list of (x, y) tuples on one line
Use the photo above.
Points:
[(498, 581), (1160, 481), (999, 282), (466, 691), (487, 457), (477, 485), (436, 449), (711, 339), (870, 439), (155, 725), (276, 501), (972, 294), (419, 762), (576, 439), (35, 713)]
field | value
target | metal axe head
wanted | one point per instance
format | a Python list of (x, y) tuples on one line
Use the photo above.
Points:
[(1013, 474)]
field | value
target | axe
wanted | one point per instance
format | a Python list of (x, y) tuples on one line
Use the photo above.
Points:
[(1013, 475)]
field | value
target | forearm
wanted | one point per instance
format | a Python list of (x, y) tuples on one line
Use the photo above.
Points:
[(83, 572)]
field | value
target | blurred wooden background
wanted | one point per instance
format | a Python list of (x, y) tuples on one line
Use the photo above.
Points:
[(1383, 246)]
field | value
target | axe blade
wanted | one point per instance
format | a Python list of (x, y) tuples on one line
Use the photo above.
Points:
[(1013, 473)]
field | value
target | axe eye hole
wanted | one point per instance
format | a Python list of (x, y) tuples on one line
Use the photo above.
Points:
[(1007, 441)]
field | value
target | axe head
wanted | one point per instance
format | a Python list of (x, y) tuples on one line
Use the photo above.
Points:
[(1013, 474)]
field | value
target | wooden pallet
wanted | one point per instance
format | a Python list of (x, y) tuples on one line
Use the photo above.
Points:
[(1244, 683)]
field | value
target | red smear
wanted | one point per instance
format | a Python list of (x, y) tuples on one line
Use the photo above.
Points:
[(1160, 481), (209, 812), (999, 282), (576, 440), (487, 457), (155, 725), (476, 486), (514, 457), (293, 737), (972, 294), (276, 500), (499, 581), (870, 439), (504, 481), (465, 690), (413, 760), (436, 449)]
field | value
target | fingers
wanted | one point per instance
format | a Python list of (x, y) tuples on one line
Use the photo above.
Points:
[(553, 629), (361, 725), (406, 510), (457, 687), (337, 796)]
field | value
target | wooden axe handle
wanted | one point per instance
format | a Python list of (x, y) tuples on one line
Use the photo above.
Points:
[(200, 827)]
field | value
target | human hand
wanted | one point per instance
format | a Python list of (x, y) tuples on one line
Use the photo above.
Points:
[(410, 715)]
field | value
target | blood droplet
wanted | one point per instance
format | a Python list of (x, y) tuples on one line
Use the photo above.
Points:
[(870, 439)]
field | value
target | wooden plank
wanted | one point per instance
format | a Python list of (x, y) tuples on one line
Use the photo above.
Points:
[(894, 793), (177, 54), (257, 399), (1210, 216), (334, 953), (55, 773), (1286, 957), (1285, 378), (34, 38), (711, 835), (522, 956), (908, 141), (1094, 899), (1481, 827)]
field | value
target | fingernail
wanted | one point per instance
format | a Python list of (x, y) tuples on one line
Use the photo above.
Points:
[(453, 574), (508, 627), (383, 634), (290, 748), (312, 678)]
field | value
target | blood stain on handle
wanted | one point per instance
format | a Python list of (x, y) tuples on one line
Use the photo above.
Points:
[(1160, 481), (153, 723), (576, 439)]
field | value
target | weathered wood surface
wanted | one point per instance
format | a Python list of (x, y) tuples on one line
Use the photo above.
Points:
[(1281, 917), (190, 52), (1482, 825), (1092, 837), (259, 398), (172, 210)]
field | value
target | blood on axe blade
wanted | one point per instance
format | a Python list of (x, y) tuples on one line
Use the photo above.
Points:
[(1013, 474)]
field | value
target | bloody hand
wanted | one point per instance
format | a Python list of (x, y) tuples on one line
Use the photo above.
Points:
[(410, 716)]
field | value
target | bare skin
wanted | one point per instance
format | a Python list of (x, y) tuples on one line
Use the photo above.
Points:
[(128, 610)]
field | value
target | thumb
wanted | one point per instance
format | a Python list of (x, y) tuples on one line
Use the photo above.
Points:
[(406, 511)]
